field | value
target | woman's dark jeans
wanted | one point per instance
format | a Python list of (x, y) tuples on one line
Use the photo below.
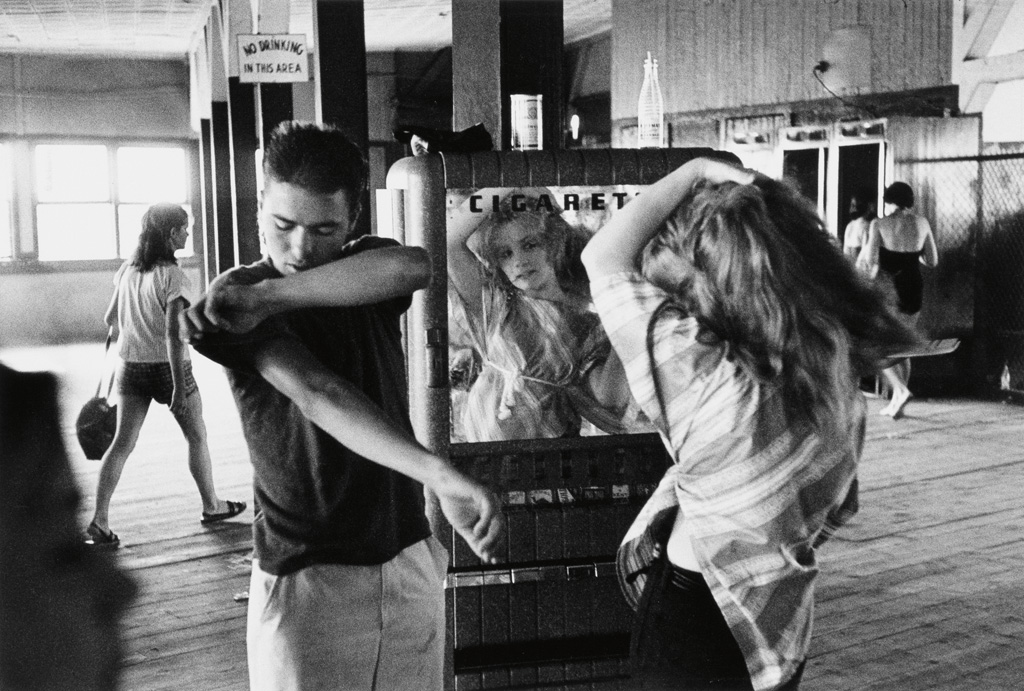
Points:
[(680, 639)]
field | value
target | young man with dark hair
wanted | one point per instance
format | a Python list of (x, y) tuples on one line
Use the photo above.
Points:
[(347, 582)]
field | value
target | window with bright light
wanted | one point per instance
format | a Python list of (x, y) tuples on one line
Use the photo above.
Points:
[(6, 220), (90, 198), (148, 175)]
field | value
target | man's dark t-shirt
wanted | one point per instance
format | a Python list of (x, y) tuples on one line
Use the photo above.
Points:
[(318, 501)]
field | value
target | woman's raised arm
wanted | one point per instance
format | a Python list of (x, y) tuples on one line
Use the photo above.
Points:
[(464, 266), (617, 245)]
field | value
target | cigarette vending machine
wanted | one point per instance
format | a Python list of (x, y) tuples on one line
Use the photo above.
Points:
[(550, 614)]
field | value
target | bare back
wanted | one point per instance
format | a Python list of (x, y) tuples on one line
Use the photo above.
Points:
[(903, 231), (900, 231)]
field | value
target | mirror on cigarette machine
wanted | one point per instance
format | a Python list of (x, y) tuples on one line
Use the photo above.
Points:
[(528, 357)]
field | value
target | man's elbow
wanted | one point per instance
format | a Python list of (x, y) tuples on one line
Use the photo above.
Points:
[(417, 269)]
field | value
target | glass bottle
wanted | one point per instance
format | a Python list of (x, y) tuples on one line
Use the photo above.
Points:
[(650, 108)]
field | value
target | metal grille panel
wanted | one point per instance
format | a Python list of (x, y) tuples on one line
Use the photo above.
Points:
[(976, 206)]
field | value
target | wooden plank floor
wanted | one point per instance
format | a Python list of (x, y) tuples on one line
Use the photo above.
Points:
[(922, 591)]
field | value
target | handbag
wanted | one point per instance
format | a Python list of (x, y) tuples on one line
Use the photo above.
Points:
[(97, 421)]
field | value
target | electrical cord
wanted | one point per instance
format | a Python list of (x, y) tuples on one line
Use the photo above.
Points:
[(819, 70)]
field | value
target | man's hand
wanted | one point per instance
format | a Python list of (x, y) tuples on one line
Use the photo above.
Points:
[(228, 305), (474, 512), (233, 306), (719, 171)]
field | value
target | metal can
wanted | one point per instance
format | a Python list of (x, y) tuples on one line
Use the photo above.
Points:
[(527, 116)]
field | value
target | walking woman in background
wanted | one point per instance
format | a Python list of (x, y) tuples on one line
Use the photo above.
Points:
[(898, 244), (743, 331), (149, 294)]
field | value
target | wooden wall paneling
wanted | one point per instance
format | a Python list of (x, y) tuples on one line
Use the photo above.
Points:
[(798, 76), (866, 13), (832, 17), (776, 62), (938, 69), (846, 13), (916, 138), (809, 37), (759, 40), (929, 39), (908, 45), (887, 47), (821, 26), (718, 33), (641, 23), (742, 54), (914, 44), (684, 33), (765, 55), (944, 38), (690, 31), (739, 74), (847, 17), (745, 70)]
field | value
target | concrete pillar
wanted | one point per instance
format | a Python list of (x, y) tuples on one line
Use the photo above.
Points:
[(505, 47), (476, 66)]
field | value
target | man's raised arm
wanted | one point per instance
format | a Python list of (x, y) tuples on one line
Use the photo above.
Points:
[(344, 412), (234, 304)]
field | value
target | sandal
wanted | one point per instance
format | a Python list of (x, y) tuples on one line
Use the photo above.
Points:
[(96, 537), (234, 508)]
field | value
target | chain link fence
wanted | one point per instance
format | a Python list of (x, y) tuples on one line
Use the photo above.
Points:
[(976, 206)]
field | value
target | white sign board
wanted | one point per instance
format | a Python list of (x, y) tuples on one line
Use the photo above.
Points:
[(272, 58)]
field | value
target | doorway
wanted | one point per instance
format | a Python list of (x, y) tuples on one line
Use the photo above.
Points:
[(860, 168), (806, 169)]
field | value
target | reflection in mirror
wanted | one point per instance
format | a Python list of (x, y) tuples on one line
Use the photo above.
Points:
[(528, 356)]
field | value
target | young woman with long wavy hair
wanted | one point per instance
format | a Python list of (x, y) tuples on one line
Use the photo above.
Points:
[(743, 331), (546, 366)]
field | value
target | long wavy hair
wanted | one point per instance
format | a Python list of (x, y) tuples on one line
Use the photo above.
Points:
[(155, 246), (755, 266)]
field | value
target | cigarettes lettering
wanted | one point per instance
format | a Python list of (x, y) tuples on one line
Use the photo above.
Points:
[(570, 202)]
